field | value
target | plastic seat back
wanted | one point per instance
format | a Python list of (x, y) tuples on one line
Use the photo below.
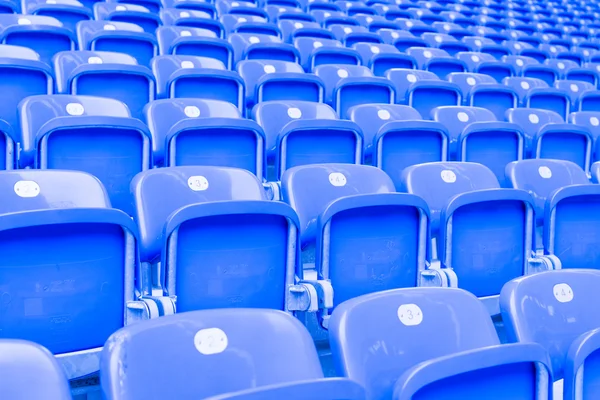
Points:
[(522, 86), (119, 37), (436, 60), (225, 344), (542, 177), (87, 134), (201, 42), (531, 121), (424, 96), (105, 74), (405, 320), (565, 142), (589, 120), (535, 309), (403, 79), (495, 97), (574, 89), (247, 46), (315, 52), (45, 35), (549, 99), (132, 13), (467, 81), (68, 12)]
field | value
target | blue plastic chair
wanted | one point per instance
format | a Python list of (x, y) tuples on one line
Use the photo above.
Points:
[(68, 12), (531, 120), (132, 13), (403, 78), (467, 362), (87, 253), (86, 134), (591, 121), (300, 133), (290, 29), (227, 345), (188, 5), (467, 81), (193, 18), (197, 77), (230, 20), (542, 72), (565, 142), (153, 6), (45, 35), (382, 57), (24, 75), (105, 74), (426, 95), (549, 99), (522, 86), (557, 310), (495, 97), (247, 46), (485, 236), (436, 60), (519, 62), (268, 80), (446, 42), (575, 90), (349, 85), (31, 371), (351, 219), (181, 40), (315, 52), (223, 214), (118, 37), (204, 132)]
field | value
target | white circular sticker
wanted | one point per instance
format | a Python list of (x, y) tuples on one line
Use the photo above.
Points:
[(553, 49), (383, 115), (594, 121), (75, 109), (386, 8), (23, 21), (396, 35), (534, 119), (210, 341), (26, 189), (191, 111), (121, 8), (298, 25), (186, 33), (586, 53), (574, 88), (410, 314), (598, 68), (184, 14), (317, 44), (561, 65), (545, 172), (419, 13), (337, 179), (347, 29), (427, 54), (294, 113), (342, 73), (409, 24), (447, 27), (463, 116), (187, 64), (475, 58), (50, 1), (269, 69), (327, 15), (198, 183), (525, 85), (369, 20), (242, 19), (281, 9), (375, 50), (439, 39), (235, 4), (563, 292), (478, 43), (517, 46), (512, 23), (448, 176), (254, 39), (471, 81), (411, 78), (109, 27), (519, 62)]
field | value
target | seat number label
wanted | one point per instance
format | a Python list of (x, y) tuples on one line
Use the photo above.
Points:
[(410, 314), (563, 292), (210, 341)]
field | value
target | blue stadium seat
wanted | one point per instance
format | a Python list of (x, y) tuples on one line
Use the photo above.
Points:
[(575, 90), (485, 236), (315, 52), (118, 37), (351, 213), (349, 85), (248, 46), (68, 12), (557, 310), (405, 41), (437, 61), (382, 57), (45, 35), (229, 21), (241, 8), (445, 42), (223, 214), (542, 72), (31, 371), (475, 61), (267, 80), (86, 134), (468, 362), (84, 250), (300, 133), (477, 42), (495, 97), (467, 81), (197, 77), (531, 120), (250, 354), (291, 29), (403, 78), (591, 121), (132, 13), (565, 142), (426, 95), (192, 19), (522, 86), (549, 99), (519, 62), (204, 132), (262, 28), (105, 74), (181, 40), (586, 74), (153, 6), (23, 75), (397, 137)]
